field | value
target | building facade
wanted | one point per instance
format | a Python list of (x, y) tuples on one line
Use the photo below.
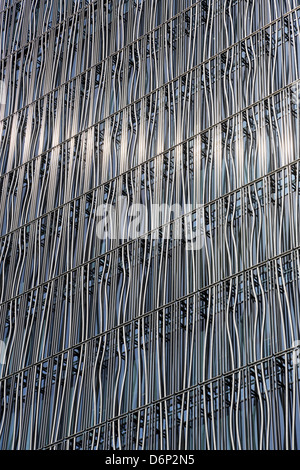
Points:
[(145, 341)]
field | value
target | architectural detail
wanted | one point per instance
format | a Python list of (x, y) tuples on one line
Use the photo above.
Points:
[(142, 343)]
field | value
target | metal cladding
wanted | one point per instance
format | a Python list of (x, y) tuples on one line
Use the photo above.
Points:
[(141, 343)]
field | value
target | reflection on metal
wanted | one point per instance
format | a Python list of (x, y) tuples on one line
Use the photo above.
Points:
[(143, 344)]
